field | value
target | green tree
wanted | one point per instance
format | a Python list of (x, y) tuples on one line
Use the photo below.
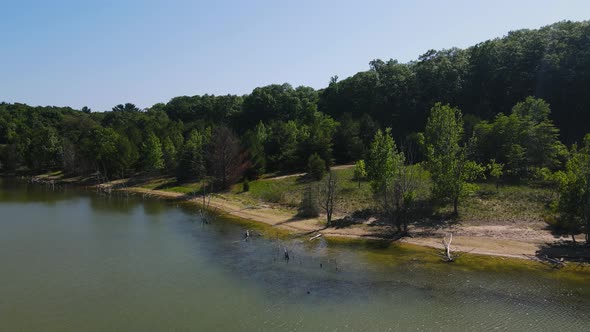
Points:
[(574, 200), (496, 170), (283, 141), (44, 151), (192, 159), (153, 157), (360, 171), (317, 137), (316, 167), (524, 141), (170, 155), (393, 183), (255, 141), (382, 162), (447, 159), (104, 146)]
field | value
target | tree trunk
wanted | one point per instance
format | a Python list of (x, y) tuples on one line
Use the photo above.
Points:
[(455, 206), (573, 238)]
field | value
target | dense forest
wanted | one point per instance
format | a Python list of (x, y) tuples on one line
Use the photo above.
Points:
[(522, 100)]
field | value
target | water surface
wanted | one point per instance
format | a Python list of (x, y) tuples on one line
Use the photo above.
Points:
[(77, 261)]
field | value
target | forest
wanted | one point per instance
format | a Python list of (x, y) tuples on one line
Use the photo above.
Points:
[(512, 109)]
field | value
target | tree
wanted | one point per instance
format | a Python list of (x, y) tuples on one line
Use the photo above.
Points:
[(360, 171), (523, 141), (447, 159), (392, 182), (255, 141), (316, 167), (281, 147), (496, 170), (153, 157), (317, 137), (574, 200), (225, 157), (403, 195), (382, 162), (348, 145), (192, 159), (170, 155), (45, 150), (327, 196)]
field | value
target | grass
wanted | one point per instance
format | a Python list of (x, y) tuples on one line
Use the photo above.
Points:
[(288, 191), (170, 184), (507, 205)]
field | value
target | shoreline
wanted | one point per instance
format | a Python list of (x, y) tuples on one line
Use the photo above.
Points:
[(503, 241), (283, 219)]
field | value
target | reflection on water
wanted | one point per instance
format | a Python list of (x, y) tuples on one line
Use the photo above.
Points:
[(79, 261)]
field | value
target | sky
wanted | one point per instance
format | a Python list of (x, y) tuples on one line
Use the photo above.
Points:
[(103, 53)]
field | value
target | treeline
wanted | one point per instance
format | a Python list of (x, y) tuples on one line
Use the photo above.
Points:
[(552, 63), (277, 128)]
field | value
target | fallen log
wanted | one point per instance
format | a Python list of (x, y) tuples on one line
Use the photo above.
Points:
[(315, 237)]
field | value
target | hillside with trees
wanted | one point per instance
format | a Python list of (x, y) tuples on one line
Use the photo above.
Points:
[(513, 110)]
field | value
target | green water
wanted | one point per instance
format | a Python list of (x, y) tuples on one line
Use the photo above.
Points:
[(77, 261)]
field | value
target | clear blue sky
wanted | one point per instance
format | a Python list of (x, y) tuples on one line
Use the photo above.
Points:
[(102, 53)]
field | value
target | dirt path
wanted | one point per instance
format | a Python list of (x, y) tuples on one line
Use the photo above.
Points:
[(302, 174)]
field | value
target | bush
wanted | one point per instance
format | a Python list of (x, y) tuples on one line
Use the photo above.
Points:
[(360, 170), (316, 167), (309, 204)]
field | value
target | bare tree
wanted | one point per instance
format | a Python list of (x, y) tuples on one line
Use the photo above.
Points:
[(446, 254), (224, 157), (327, 195)]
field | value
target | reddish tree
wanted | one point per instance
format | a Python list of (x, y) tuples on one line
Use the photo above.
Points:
[(225, 157)]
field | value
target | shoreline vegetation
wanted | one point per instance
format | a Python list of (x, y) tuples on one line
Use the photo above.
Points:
[(527, 238)]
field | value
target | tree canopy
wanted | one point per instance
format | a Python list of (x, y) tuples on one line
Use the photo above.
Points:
[(523, 99)]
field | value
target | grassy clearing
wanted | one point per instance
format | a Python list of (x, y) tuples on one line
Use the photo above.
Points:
[(288, 191), (170, 184), (507, 205)]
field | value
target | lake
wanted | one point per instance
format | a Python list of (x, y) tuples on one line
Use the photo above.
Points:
[(75, 260)]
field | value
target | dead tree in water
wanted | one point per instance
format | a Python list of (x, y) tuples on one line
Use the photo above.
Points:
[(446, 254), (205, 205)]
